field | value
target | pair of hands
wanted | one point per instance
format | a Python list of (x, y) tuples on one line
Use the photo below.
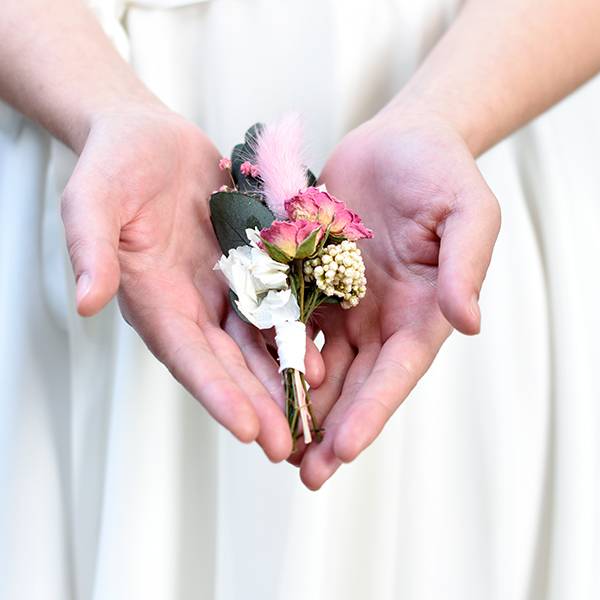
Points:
[(137, 222)]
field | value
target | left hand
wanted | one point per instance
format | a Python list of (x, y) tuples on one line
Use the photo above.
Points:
[(414, 182), (137, 220)]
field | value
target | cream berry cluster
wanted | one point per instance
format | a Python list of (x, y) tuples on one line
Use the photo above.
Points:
[(339, 270)]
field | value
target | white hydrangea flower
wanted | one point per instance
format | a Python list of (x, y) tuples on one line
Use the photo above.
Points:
[(271, 309), (260, 283)]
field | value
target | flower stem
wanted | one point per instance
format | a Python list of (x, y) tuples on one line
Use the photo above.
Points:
[(300, 273), (232, 179), (315, 426)]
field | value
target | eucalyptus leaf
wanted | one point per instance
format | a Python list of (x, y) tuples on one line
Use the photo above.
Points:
[(252, 134), (242, 153), (311, 179), (232, 213), (250, 185), (238, 156)]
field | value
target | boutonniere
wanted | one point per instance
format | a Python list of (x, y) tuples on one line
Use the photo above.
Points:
[(289, 246)]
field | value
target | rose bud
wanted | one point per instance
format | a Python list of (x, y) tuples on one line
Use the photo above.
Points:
[(285, 240)]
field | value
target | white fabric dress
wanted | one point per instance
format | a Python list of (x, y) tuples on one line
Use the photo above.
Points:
[(115, 484)]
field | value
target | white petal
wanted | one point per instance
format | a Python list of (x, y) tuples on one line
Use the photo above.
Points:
[(251, 272), (268, 273), (241, 282), (254, 236), (276, 307)]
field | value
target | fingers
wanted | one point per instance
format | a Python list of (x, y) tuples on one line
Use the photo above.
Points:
[(274, 436), (338, 356), (403, 360), (315, 365), (398, 368), (321, 461), (377, 383), (92, 228), (183, 348), (468, 236)]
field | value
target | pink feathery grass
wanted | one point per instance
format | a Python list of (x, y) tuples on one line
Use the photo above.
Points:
[(280, 160)]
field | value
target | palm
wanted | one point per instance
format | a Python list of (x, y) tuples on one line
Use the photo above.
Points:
[(417, 188), (157, 172)]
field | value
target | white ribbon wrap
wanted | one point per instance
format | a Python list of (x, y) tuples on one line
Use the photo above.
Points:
[(290, 338)]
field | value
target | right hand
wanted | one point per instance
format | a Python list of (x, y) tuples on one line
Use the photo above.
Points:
[(414, 181), (137, 220)]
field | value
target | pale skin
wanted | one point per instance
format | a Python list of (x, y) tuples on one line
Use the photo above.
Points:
[(136, 220), (136, 215), (410, 171)]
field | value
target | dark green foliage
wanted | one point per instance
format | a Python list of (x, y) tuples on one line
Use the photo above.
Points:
[(232, 213), (242, 153)]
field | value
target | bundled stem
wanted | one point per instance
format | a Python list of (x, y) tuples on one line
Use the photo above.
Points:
[(298, 406)]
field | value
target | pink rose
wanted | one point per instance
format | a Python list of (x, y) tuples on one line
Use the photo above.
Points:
[(314, 204), (286, 240)]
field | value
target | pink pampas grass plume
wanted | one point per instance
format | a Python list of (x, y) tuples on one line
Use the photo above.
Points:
[(280, 159)]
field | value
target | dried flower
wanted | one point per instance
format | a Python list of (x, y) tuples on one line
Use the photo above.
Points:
[(225, 164), (249, 170), (280, 156), (286, 272), (286, 240), (317, 204), (339, 270)]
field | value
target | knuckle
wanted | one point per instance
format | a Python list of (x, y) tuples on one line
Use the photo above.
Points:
[(67, 203), (76, 247)]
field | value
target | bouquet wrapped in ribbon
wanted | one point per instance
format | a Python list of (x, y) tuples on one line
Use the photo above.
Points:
[(289, 247)]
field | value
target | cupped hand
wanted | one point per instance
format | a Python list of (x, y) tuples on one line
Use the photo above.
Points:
[(415, 183), (137, 220)]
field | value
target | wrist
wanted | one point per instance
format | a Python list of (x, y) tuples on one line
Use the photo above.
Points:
[(415, 107), (133, 100)]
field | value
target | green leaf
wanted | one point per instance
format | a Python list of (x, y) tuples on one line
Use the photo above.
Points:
[(253, 133), (232, 213), (249, 185), (242, 153), (276, 254), (330, 300), (309, 246), (238, 156), (334, 239), (312, 180), (323, 241)]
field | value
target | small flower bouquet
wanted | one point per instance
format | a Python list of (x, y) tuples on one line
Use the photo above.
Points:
[(288, 246)]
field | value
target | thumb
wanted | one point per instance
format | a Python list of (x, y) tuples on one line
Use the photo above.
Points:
[(467, 238), (92, 228)]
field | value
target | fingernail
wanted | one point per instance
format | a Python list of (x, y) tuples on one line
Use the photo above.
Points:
[(84, 283)]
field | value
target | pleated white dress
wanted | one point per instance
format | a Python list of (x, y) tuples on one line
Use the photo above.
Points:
[(114, 483)]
